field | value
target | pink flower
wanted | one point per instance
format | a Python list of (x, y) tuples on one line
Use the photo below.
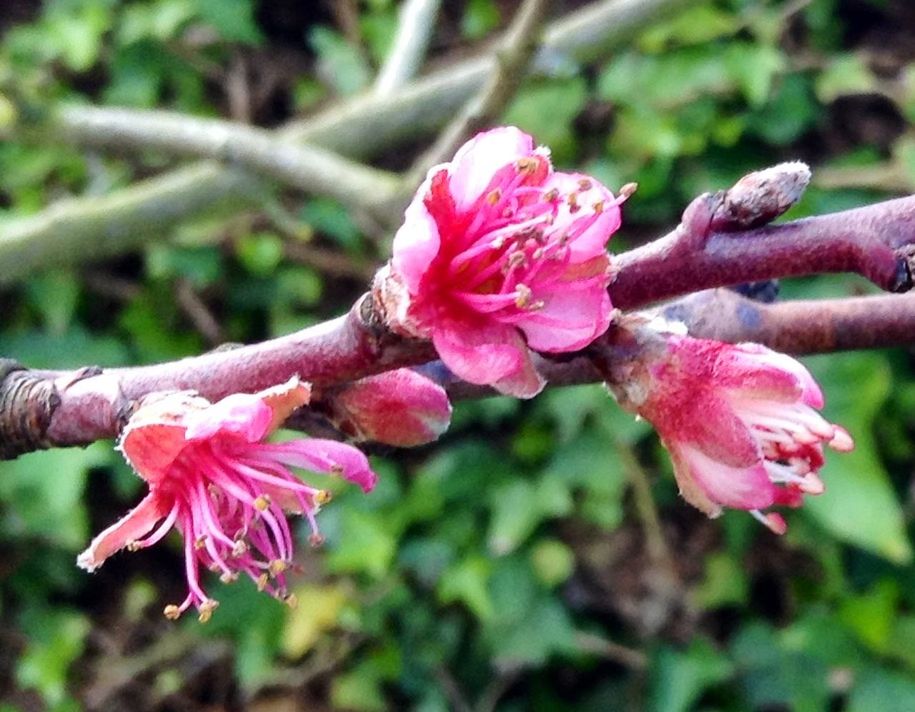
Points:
[(740, 422), (499, 253), (401, 407), (211, 475)]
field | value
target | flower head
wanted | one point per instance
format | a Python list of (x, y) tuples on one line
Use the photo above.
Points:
[(211, 475), (498, 253), (740, 422)]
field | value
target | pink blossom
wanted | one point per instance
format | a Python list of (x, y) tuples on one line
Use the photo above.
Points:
[(498, 253), (400, 407), (211, 475), (740, 422)]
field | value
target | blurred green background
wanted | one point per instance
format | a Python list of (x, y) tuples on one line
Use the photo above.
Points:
[(508, 566)]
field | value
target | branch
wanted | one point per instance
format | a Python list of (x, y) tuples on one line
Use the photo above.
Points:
[(415, 26), (311, 169), (42, 409), (512, 58), (705, 251), (77, 230)]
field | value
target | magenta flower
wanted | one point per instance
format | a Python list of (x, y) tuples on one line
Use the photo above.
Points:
[(400, 407), (499, 253), (740, 422), (211, 475)]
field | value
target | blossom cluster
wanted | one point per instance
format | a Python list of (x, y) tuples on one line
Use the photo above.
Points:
[(499, 258)]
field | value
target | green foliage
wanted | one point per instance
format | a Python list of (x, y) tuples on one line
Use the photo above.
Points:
[(503, 567)]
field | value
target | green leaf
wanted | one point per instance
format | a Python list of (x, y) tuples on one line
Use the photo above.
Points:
[(75, 346), (480, 18), (43, 492), (260, 253), (680, 677), (725, 583), (872, 616), (233, 20), (519, 506), (366, 544), (341, 64), (884, 690), (859, 505), (552, 561), (694, 25), (846, 74), (467, 582), (54, 294), (546, 110), (546, 630), (56, 640)]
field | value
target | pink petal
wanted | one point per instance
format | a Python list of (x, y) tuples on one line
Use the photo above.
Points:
[(568, 321), (135, 524), (416, 243), (242, 414), (478, 160), (329, 456), (594, 198), (709, 424), (488, 353), (152, 447), (721, 484)]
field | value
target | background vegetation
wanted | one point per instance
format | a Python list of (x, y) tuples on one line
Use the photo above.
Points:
[(508, 566)]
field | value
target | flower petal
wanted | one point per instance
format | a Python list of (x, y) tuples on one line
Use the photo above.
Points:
[(137, 522), (488, 353), (478, 160)]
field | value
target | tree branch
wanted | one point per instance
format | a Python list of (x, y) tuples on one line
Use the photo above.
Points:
[(311, 169), (515, 51), (77, 230), (876, 241), (717, 243), (416, 23)]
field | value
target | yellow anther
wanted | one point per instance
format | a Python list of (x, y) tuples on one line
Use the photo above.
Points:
[(527, 164), (316, 540), (132, 545), (522, 295), (278, 566), (292, 601), (262, 503), (200, 542), (494, 196), (584, 184), (239, 548), (322, 497), (262, 581), (228, 577), (206, 610), (172, 612)]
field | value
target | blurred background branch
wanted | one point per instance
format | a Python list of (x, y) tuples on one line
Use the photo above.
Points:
[(71, 232)]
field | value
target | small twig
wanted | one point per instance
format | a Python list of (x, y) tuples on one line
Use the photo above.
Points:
[(335, 264), (452, 690), (415, 26), (198, 312), (515, 51), (597, 645), (494, 691), (656, 544)]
